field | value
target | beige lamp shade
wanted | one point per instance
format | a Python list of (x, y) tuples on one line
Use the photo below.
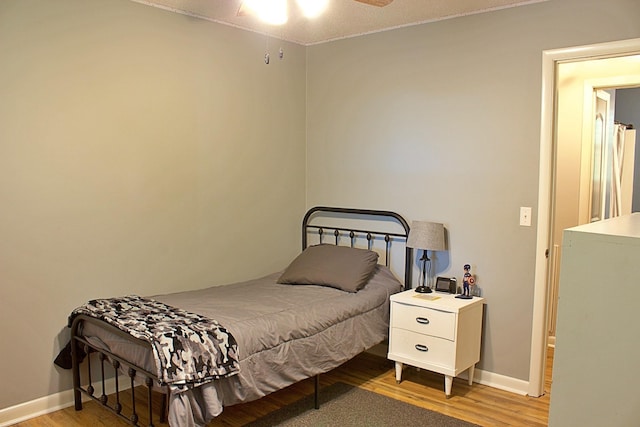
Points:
[(426, 235)]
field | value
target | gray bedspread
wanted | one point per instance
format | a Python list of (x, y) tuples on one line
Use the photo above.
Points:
[(285, 333)]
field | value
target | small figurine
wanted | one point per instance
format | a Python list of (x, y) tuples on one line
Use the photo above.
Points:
[(467, 281)]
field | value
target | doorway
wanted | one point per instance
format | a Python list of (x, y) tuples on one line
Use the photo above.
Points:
[(586, 167), (600, 55)]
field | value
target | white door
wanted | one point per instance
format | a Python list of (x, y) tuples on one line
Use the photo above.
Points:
[(598, 142)]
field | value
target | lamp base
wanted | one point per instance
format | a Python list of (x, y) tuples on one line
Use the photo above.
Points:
[(423, 290)]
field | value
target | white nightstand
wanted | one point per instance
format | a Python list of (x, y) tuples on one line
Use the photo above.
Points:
[(437, 332)]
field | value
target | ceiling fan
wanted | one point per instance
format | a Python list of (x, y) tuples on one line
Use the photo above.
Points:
[(275, 11), (379, 3)]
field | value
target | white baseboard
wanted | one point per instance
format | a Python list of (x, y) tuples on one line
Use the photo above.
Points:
[(501, 382), (490, 379), (64, 399), (48, 404), (35, 408)]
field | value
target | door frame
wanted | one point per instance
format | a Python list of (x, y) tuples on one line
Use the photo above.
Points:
[(545, 191)]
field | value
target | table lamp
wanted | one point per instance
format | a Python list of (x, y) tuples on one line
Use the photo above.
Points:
[(428, 236)]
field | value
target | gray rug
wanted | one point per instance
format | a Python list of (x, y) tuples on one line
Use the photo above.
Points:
[(345, 405)]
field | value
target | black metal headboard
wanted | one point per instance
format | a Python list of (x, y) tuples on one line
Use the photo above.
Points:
[(337, 232)]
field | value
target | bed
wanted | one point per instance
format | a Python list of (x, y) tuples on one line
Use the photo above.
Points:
[(330, 304)]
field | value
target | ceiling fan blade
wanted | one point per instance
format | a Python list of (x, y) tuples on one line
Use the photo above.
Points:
[(243, 10), (379, 3)]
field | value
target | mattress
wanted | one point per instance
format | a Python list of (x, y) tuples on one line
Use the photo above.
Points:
[(285, 333)]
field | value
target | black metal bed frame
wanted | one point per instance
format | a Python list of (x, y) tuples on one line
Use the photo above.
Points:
[(354, 233), (133, 372), (80, 343)]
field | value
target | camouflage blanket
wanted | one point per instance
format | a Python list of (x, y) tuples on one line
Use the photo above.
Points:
[(188, 349)]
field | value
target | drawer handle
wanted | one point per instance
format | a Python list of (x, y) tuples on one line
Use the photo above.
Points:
[(422, 320), (421, 347)]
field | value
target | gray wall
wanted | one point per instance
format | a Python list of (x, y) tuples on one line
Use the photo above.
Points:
[(441, 122), (628, 112), (141, 151)]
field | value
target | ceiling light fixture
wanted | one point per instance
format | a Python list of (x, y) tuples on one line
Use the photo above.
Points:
[(273, 12), (312, 8)]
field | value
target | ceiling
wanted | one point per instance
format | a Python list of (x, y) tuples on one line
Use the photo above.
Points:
[(343, 18)]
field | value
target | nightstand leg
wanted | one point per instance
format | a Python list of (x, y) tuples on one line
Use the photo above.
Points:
[(472, 370), (448, 382), (398, 372)]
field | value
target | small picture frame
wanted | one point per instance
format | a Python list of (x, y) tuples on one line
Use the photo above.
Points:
[(446, 284)]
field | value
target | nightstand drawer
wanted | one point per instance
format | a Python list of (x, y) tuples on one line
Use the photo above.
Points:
[(424, 320), (422, 348)]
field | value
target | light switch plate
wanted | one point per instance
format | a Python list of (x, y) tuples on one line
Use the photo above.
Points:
[(525, 216)]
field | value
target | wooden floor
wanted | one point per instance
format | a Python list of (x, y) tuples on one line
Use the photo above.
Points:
[(478, 404)]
